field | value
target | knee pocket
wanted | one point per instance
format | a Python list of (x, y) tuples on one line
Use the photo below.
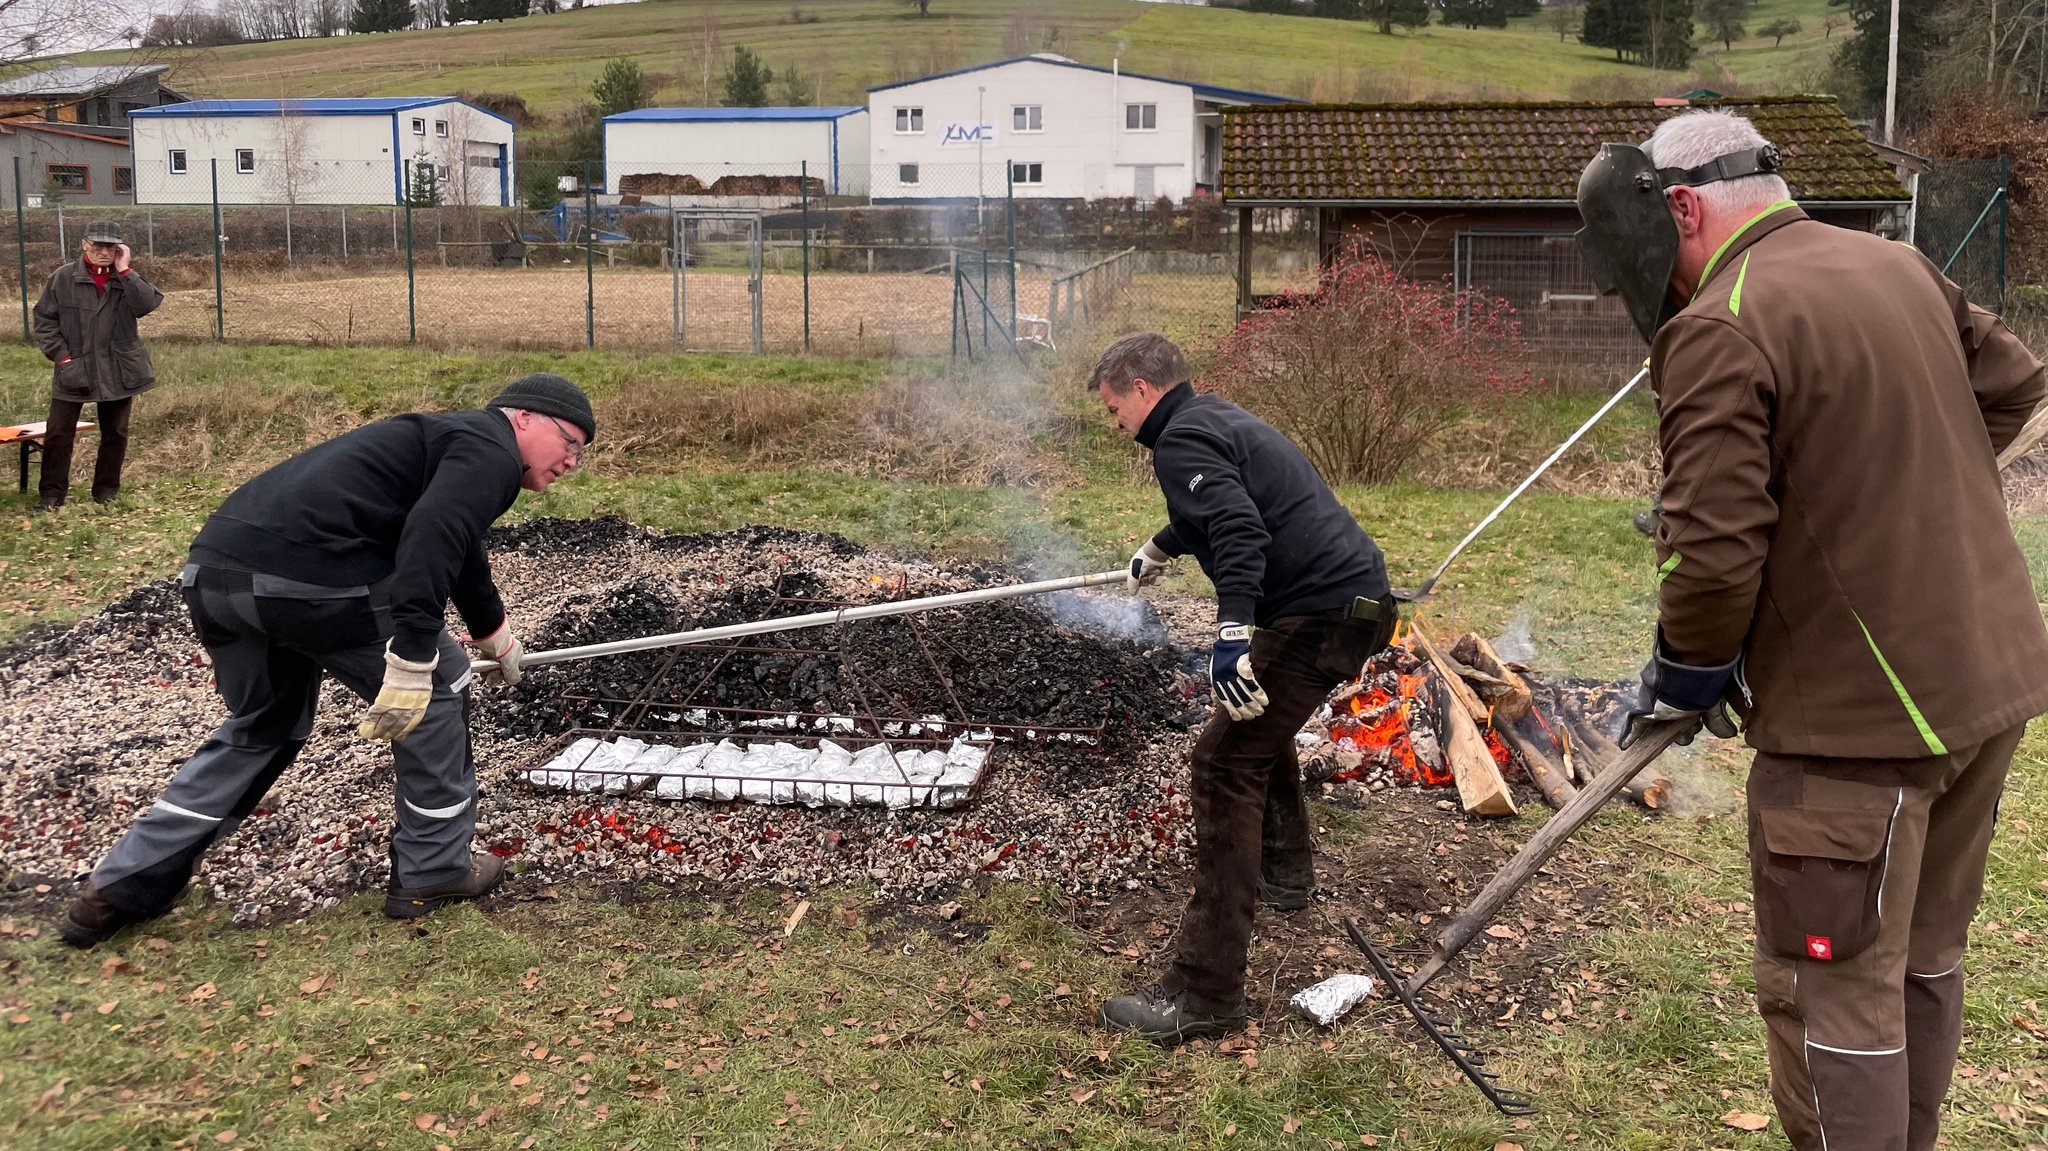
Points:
[(1818, 874)]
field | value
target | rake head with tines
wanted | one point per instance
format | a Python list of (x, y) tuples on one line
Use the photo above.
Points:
[(1462, 1053)]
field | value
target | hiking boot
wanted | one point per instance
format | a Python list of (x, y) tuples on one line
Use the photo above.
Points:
[(91, 920), (1285, 896), (1163, 1016), (485, 873), (49, 504)]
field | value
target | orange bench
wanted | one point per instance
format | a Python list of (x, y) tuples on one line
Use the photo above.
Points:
[(30, 437)]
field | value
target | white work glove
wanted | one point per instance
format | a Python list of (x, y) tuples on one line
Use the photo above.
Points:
[(504, 647), (1148, 563), (1230, 673), (402, 702)]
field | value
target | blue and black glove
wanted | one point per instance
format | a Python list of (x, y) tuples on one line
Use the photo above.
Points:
[(1230, 673), (1675, 691)]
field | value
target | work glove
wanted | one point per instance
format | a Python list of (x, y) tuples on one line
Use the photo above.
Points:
[(402, 701), (1674, 691), (1148, 563), (1230, 673), (504, 647)]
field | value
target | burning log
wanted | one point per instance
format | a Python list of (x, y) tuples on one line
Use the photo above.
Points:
[(1549, 779), (1490, 676), (1480, 785), (1596, 751)]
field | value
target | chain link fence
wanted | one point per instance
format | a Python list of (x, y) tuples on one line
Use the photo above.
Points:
[(1960, 221), (911, 260)]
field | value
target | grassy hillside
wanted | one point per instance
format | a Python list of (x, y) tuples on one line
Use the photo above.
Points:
[(850, 45)]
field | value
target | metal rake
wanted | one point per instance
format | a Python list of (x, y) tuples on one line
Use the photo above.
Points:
[(1446, 1036)]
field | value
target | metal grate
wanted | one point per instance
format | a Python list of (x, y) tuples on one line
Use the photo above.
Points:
[(679, 704)]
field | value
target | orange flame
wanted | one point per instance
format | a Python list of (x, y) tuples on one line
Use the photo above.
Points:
[(1377, 727)]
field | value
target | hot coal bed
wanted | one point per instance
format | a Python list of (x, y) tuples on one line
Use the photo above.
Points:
[(1084, 701)]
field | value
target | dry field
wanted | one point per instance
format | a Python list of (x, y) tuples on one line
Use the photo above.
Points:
[(882, 314)]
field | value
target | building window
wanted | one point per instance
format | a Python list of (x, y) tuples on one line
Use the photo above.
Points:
[(1023, 173), (906, 173), (419, 126), (71, 177), (178, 162), (1027, 118), (1141, 117), (124, 181), (441, 128), (245, 160), (910, 121)]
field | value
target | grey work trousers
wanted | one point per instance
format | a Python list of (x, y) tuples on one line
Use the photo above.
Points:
[(271, 640)]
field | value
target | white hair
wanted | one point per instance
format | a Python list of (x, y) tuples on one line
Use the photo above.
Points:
[(1698, 137)]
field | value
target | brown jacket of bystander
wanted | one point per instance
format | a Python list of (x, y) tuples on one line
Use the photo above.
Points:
[(1830, 409), (96, 330)]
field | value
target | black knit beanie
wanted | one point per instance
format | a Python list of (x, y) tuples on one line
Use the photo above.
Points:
[(550, 395)]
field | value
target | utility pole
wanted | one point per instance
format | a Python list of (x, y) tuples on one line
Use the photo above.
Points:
[(1891, 78)]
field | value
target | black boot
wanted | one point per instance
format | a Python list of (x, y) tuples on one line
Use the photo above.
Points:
[(485, 873), (1283, 896), (91, 920), (1163, 1016)]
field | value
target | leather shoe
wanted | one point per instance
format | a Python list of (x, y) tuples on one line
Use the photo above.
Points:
[(485, 872), (91, 920), (1162, 1015)]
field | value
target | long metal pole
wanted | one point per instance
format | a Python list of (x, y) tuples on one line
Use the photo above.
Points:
[(814, 619), (589, 261), (21, 253), (412, 327), (1891, 77), (804, 179), (1423, 591), (220, 315)]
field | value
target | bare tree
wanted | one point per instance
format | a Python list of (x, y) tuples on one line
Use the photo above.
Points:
[(30, 28)]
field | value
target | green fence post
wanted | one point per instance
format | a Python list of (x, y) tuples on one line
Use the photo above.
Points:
[(804, 179), (589, 261), (21, 250), (412, 328), (2004, 209), (1010, 219), (220, 315)]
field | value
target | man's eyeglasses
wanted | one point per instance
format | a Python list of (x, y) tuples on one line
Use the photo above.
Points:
[(569, 441)]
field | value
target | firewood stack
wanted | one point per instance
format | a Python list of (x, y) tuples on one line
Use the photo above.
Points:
[(1424, 715)]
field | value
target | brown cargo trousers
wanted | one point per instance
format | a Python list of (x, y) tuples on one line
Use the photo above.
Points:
[(1251, 818), (1866, 874)]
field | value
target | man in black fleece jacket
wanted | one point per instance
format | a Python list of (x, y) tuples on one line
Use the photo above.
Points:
[(341, 561), (1301, 601)]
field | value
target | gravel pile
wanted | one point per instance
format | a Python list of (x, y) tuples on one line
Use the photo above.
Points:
[(95, 718)]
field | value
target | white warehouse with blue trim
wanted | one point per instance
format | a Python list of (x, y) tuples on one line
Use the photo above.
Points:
[(370, 150), (704, 145)]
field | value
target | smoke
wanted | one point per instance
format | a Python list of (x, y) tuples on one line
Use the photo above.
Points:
[(1117, 617), (1515, 644)]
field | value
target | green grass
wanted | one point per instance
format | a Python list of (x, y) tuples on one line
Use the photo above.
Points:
[(671, 1018), (856, 44)]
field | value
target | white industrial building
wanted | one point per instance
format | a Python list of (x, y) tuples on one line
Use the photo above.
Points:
[(699, 146), (323, 151), (1049, 127)]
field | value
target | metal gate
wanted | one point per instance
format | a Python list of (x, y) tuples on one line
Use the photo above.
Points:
[(710, 250), (1959, 222)]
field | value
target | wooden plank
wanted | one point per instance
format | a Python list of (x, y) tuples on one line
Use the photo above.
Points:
[(1480, 786), (1550, 780), (1505, 690)]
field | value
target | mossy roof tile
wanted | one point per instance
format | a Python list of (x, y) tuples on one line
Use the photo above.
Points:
[(1513, 151)]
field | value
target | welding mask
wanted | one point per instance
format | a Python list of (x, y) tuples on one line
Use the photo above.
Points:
[(1629, 241)]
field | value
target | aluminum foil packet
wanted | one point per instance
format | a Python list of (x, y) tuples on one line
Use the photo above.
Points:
[(1328, 1001)]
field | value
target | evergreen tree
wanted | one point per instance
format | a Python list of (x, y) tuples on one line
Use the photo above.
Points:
[(1656, 33), (380, 16), (621, 88), (1668, 43), (1863, 56), (1387, 13), (461, 10), (1337, 9), (746, 82), (423, 185), (1476, 13)]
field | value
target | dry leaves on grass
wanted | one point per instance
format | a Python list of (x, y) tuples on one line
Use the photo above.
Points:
[(1746, 1120)]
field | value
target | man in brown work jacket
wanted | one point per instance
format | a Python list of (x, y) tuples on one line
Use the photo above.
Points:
[(85, 324), (1836, 562)]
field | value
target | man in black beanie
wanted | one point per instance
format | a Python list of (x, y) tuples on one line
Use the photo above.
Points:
[(341, 561)]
